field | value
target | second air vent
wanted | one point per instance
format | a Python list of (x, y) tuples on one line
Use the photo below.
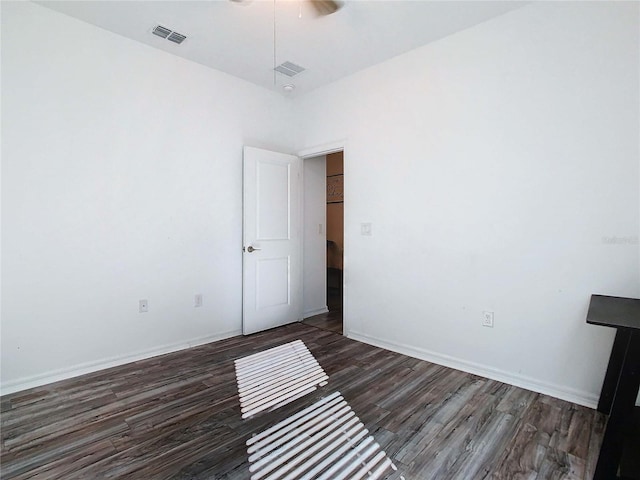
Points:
[(289, 69), (176, 37)]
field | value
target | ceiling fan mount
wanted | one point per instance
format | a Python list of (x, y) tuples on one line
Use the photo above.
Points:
[(325, 7), (321, 7)]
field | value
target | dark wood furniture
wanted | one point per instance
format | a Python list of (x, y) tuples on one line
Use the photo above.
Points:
[(622, 380)]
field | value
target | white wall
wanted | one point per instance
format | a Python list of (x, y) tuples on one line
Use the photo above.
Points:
[(315, 237), (493, 165), (122, 180)]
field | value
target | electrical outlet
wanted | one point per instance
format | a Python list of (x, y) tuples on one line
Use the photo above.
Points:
[(487, 319), (365, 229), (197, 301), (143, 306)]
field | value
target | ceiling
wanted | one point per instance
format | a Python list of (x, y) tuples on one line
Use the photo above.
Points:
[(238, 37)]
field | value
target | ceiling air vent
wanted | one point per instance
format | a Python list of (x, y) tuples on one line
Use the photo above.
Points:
[(176, 37), (289, 69), (170, 35), (161, 31)]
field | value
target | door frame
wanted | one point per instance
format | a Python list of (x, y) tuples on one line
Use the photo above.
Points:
[(318, 151)]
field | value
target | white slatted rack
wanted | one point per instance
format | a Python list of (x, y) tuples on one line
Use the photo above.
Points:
[(325, 441), (275, 377)]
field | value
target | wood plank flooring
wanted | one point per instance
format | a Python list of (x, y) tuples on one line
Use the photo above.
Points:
[(178, 416), (331, 321)]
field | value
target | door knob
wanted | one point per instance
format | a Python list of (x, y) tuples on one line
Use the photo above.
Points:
[(251, 249)]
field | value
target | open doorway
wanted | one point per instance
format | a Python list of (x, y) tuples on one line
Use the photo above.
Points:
[(324, 241), (335, 231)]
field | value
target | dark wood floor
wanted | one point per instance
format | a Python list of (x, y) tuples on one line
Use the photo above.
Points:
[(178, 416), (331, 321)]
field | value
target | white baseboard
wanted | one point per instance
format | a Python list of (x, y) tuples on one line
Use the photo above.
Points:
[(90, 367), (586, 399), (311, 313)]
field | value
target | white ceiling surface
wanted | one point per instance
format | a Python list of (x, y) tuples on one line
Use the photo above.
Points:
[(237, 38)]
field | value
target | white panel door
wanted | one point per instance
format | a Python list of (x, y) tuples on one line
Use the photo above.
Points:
[(272, 240)]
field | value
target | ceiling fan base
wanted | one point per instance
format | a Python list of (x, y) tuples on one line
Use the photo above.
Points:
[(325, 7)]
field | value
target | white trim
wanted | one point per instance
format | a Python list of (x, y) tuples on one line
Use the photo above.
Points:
[(90, 367), (586, 399), (323, 149), (317, 311)]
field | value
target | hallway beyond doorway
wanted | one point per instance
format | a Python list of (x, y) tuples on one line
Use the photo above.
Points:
[(331, 320)]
